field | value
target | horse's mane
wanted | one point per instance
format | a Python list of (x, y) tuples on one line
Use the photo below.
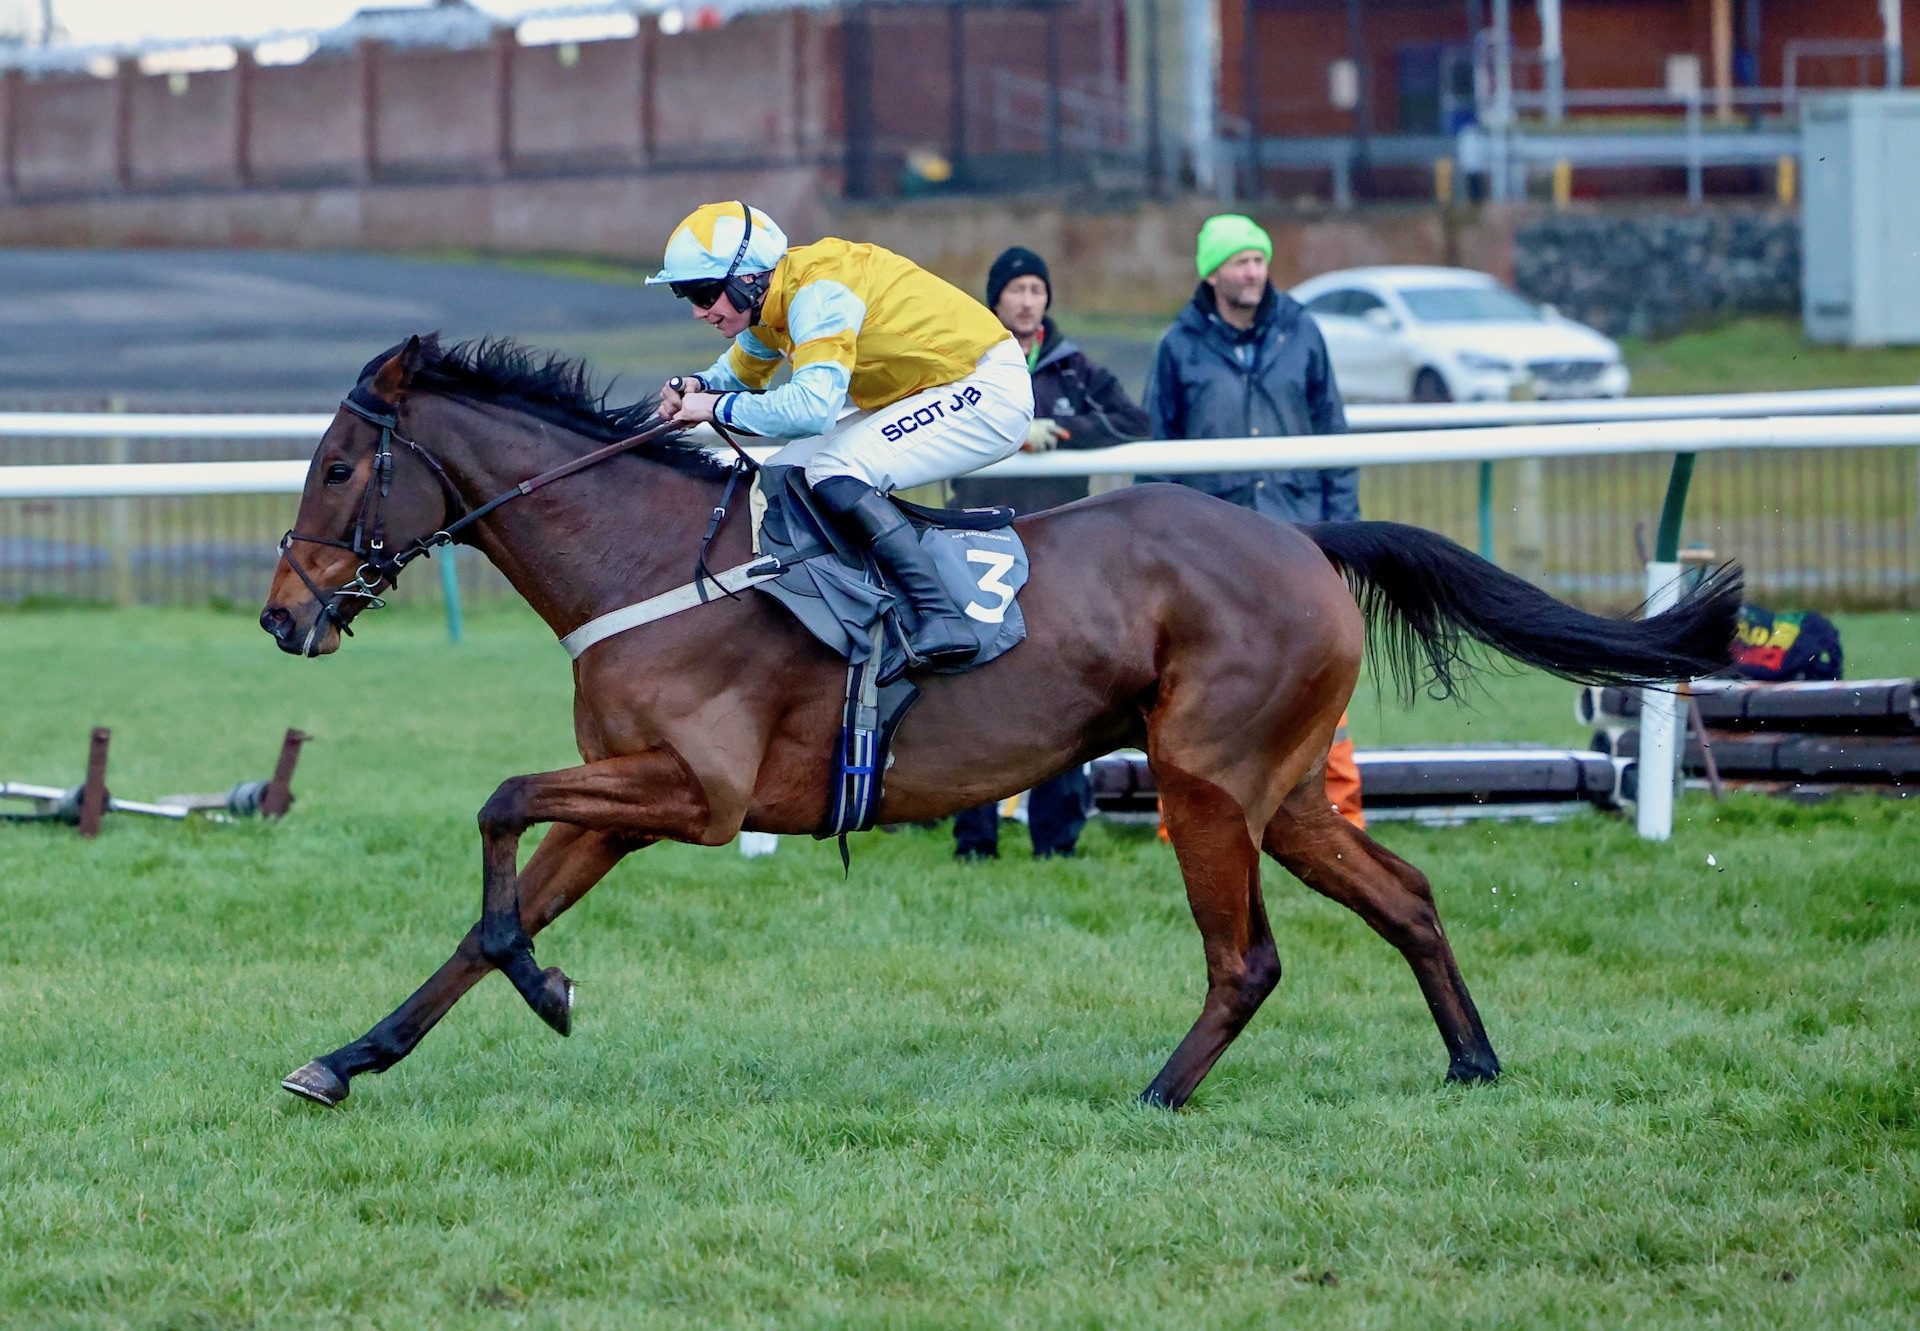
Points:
[(551, 387)]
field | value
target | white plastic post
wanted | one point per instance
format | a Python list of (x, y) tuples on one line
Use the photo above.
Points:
[(1659, 725), (755, 844)]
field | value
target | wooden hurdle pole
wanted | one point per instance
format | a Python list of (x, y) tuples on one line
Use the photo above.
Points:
[(93, 795), (279, 793)]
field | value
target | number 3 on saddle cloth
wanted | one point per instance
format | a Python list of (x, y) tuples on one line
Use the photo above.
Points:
[(835, 592)]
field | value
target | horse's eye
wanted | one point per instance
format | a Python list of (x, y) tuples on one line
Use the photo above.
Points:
[(339, 474)]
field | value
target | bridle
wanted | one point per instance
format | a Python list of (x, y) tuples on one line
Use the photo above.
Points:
[(369, 544)]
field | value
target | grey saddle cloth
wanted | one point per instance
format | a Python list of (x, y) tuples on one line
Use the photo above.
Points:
[(837, 594)]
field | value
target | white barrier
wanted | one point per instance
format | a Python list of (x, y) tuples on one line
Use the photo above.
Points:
[(1471, 444), (161, 425), (1360, 418), (112, 480), (1660, 712), (1470, 434), (1690, 406)]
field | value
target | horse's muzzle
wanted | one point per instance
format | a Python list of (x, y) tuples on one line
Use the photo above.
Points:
[(316, 640)]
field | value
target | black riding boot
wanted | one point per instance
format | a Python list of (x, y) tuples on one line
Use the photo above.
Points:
[(939, 636)]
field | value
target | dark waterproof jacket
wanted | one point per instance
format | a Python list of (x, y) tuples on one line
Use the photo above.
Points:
[(1211, 380), (1087, 402)]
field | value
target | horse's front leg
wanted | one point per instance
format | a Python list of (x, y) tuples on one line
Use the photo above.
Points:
[(649, 795), (565, 868)]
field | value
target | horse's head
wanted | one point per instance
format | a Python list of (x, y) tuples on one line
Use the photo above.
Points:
[(372, 497)]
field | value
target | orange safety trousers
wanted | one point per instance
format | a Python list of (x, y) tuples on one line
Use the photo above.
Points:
[(1343, 779)]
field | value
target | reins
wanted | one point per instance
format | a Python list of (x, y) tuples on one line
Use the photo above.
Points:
[(743, 465), (369, 527)]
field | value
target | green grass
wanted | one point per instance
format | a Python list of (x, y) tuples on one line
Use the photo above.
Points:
[(905, 1098), (1761, 355)]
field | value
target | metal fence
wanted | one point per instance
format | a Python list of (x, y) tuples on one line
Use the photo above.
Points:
[(1824, 527), (147, 550)]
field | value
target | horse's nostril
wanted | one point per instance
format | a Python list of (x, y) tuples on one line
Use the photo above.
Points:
[(275, 620)]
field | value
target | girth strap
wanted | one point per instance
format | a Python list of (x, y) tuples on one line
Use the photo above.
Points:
[(736, 579)]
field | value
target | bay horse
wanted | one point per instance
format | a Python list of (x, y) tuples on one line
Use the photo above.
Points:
[(1223, 643)]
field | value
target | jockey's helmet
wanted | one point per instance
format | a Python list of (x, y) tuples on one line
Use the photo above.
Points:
[(722, 247)]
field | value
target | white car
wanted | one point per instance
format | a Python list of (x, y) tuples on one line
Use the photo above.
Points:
[(1399, 334)]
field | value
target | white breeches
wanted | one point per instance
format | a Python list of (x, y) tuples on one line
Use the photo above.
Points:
[(934, 435)]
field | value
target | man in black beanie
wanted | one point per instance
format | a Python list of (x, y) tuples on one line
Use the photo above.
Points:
[(1076, 404)]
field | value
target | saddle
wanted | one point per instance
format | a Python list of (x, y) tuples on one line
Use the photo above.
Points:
[(831, 588)]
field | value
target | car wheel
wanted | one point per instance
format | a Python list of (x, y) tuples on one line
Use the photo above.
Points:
[(1428, 386)]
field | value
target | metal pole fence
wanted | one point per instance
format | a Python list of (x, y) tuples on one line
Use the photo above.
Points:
[(25, 485), (194, 512)]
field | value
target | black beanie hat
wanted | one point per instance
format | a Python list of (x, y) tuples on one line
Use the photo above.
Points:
[(1016, 262)]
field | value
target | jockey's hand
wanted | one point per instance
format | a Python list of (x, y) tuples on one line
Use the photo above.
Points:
[(695, 408), (674, 391), (1043, 435)]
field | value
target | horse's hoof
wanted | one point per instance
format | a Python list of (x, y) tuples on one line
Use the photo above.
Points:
[(317, 1082), (1155, 1098), (1467, 1074), (556, 1001)]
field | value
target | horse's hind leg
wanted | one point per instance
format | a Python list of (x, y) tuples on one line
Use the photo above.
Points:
[(1221, 866), (1340, 861), (567, 864), (644, 796)]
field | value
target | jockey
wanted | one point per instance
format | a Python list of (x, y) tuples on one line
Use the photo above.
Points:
[(938, 386)]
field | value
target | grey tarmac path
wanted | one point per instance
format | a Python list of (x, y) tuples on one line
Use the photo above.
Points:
[(262, 330), (286, 331)]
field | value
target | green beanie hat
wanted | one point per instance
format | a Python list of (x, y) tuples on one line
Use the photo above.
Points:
[(1225, 235)]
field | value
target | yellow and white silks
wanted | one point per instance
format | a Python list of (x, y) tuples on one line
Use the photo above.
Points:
[(939, 387)]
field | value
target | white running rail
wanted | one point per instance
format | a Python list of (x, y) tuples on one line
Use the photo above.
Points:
[(1470, 444)]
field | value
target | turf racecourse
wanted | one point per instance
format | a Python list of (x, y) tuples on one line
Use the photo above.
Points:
[(906, 1099)]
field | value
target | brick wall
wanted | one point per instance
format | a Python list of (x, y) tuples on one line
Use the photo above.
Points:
[(308, 120), (383, 114), (184, 135), (63, 133)]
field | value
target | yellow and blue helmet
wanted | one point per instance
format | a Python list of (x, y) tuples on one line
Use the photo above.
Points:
[(717, 243)]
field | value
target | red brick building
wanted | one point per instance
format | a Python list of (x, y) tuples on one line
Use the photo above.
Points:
[(1407, 49)]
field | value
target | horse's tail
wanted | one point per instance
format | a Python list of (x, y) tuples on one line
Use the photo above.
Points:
[(1424, 597)]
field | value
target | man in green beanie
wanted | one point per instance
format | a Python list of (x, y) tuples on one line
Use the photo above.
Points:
[(1243, 360)]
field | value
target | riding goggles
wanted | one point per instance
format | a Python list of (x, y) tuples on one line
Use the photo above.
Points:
[(703, 292)]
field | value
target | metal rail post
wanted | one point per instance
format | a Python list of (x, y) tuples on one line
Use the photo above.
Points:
[(1659, 709), (856, 72), (1486, 511), (1500, 177), (450, 592), (119, 452), (1056, 129), (1155, 148), (1696, 173)]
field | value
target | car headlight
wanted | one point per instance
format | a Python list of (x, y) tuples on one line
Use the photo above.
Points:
[(1482, 364)]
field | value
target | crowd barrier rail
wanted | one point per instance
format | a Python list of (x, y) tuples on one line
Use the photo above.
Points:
[(1381, 436)]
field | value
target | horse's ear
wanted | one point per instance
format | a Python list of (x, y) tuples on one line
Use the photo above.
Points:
[(390, 380)]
